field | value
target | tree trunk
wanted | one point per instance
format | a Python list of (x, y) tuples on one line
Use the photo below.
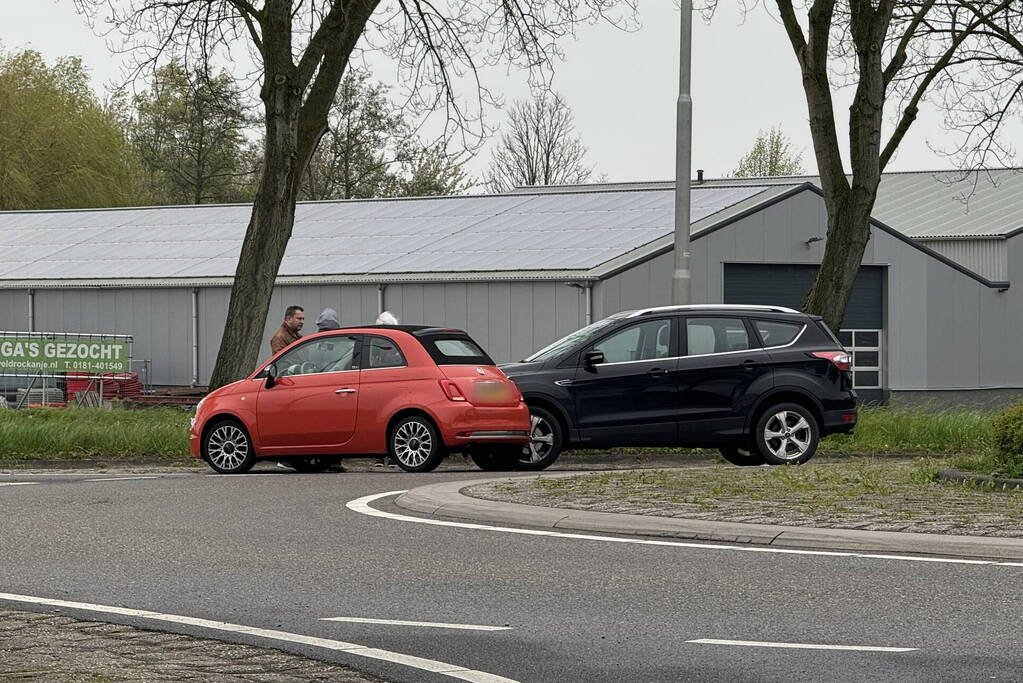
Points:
[(273, 218), (848, 233)]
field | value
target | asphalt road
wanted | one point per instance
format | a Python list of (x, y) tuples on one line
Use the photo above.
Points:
[(282, 552)]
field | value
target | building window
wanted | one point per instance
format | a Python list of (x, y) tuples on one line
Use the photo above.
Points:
[(865, 348)]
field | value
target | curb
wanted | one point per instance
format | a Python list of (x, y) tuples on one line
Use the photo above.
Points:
[(447, 500), (960, 477)]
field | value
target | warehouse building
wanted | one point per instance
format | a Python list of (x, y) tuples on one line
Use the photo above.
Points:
[(933, 314)]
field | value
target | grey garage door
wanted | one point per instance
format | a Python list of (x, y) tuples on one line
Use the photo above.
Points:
[(788, 285)]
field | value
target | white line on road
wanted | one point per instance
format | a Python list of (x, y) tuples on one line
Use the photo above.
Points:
[(430, 624), (17, 483), (362, 506), (430, 665), (120, 478), (802, 646)]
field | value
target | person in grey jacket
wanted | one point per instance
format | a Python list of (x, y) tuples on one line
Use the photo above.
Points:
[(327, 320)]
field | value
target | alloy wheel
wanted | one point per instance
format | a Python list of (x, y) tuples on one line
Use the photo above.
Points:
[(227, 447), (788, 435), (413, 443), (541, 440)]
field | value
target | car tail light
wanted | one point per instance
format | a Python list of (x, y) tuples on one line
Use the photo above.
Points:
[(841, 359), (451, 390)]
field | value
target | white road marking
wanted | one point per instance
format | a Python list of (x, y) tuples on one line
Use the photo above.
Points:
[(362, 506), (17, 483), (421, 663), (120, 478), (802, 646), (430, 624)]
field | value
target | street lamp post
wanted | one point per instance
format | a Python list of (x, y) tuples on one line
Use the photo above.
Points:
[(680, 279)]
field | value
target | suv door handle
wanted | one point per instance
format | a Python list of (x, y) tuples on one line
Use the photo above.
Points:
[(346, 391), (749, 364), (656, 372)]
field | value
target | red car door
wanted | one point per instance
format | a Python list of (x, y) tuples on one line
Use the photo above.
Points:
[(313, 406)]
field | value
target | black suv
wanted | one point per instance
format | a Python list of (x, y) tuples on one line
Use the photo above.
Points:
[(762, 384)]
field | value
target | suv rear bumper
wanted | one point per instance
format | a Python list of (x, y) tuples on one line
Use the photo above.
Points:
[(839, 421)]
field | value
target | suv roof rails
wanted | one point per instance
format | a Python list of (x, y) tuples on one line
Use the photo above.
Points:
[(712, 307)]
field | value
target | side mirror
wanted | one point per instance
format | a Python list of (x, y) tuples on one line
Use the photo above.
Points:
[(271, 376), (593, 358)]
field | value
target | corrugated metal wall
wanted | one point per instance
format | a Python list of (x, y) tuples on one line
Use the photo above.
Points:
[(159, 319), (987, 257), (14, 309)]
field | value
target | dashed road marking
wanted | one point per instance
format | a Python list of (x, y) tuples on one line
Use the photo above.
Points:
[(428, 624), (801, 646), (412, 661), (362, 506), (17, 483), (122, 478)]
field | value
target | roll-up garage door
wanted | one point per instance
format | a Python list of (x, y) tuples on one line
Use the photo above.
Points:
[(788, 285)]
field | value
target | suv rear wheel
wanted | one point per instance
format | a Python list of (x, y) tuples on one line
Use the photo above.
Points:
[(787, 434)]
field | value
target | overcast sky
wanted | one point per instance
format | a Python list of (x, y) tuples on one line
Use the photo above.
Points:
[(622, 87)]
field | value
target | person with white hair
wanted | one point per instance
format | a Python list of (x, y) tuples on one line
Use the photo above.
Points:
[(385, 318)]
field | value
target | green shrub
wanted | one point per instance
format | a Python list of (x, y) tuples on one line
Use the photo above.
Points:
[(1008, 434)]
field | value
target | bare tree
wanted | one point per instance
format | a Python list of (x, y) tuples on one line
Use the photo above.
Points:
[(772, 155), (302, 49), (964, 54), (541, 147)]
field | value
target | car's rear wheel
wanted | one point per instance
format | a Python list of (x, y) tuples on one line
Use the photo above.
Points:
[(546, 439), (787, 434), (227, 448), (415, 444), (496, 457), (741, 457), (309, 465)]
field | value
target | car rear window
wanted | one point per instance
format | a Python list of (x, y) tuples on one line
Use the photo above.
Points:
[(777, 332), (455, 350)]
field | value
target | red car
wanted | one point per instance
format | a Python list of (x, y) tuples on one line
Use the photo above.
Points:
[(414, 392)]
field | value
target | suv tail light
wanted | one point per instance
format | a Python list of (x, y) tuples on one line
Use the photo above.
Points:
[(841, 359), (451, 390)]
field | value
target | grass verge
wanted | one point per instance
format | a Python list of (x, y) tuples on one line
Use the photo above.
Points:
[(864, 493), (82, 433)]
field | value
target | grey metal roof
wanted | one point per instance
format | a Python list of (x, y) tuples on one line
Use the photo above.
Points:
[(920, 204), (935, 204), (505, 233)]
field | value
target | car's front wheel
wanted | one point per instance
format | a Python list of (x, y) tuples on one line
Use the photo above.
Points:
[(415, 444), (227, 448), (787, 434), (546, 439)]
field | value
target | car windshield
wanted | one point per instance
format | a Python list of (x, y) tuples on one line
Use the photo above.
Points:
[(570, 341)]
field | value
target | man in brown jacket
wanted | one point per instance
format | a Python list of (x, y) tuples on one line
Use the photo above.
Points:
[(290, 329)]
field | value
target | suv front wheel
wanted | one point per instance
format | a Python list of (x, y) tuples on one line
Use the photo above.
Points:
[(787, 434)]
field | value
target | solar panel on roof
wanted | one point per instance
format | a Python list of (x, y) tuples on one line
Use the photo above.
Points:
[(556, 231)]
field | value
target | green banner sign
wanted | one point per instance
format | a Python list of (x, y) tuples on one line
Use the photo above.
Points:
[(31, 354)]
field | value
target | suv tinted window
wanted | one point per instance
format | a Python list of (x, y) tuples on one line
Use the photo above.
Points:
[(777, 332), (455, 350), (384, 353), (646, 341), (715, 335)]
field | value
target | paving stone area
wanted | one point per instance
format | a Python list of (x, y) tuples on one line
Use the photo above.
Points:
[(883, 497), (46, 647)]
